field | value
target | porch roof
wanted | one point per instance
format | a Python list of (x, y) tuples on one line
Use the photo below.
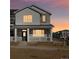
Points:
[(34, 26)]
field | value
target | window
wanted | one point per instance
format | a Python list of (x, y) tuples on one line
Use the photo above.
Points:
[(27, 18), (43, 18), (38, 33)]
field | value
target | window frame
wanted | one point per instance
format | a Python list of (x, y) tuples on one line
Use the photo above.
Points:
[(42, 18), (27, 18), (38, 33)]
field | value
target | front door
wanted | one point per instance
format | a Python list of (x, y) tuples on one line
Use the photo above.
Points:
[(24, 35)]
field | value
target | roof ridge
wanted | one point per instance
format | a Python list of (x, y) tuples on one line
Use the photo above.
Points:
[(40, 9), (33, 9)]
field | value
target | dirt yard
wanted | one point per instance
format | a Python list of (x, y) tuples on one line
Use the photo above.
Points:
[(23, 53), (29, 53)]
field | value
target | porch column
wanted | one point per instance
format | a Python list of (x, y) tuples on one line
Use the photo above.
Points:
[(15, 35), (51, 39), (27, 34)]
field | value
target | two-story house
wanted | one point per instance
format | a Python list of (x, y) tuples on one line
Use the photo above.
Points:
[(32, 24)]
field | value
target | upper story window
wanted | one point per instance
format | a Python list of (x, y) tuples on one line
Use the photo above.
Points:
[(27, 18), (44, 18)]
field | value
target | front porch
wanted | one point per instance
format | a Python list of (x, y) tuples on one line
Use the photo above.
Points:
[(33, 34)]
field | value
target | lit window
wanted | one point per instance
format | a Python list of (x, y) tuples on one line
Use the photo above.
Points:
[(43, 18), (27, 18), (38, 33)]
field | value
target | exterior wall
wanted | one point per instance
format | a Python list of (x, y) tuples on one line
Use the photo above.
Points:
[(34, 39), (47, 36), (19, 34), (36, 20), (35, 17), (19, 38), (47, 19), (43, 13), (40, 39)]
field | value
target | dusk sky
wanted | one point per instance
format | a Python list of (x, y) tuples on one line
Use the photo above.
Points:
[(58, 8)]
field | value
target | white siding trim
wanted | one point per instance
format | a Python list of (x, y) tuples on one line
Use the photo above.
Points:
[(51, 39), (27, 34), (15, 35)]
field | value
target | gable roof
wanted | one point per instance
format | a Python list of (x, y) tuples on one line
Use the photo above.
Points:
[(34, 10), (26, 8), (41, 9)]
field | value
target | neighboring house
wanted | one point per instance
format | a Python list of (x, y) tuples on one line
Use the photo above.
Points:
[(12, 23), (30, 24), (63, 34)]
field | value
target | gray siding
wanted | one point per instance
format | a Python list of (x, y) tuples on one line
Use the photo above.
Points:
[(35, 15), (42, 12), (38, 10), (47, 19)]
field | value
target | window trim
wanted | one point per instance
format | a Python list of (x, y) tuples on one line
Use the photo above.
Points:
[(38, 33), (27, 18), (42, 18)]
